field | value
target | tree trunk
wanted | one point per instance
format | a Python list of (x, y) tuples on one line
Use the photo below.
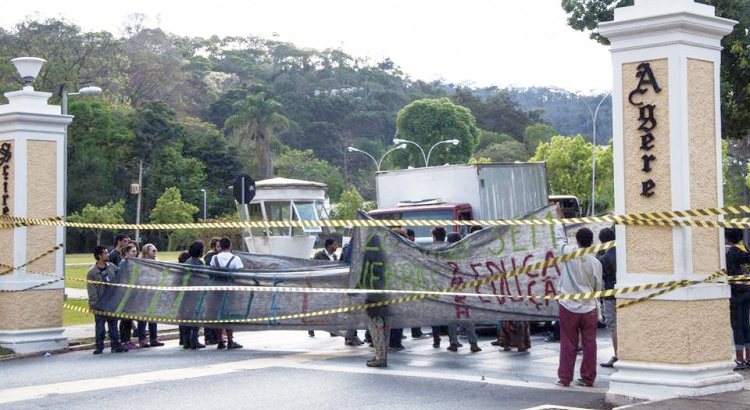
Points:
[(263, 155)]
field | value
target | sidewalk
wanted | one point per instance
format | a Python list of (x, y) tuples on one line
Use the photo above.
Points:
[(80, 337)]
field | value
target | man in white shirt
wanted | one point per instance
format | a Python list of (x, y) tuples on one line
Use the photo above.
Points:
[(578, 275), (225, 259)]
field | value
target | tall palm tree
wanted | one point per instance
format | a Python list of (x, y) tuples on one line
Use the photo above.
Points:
[(255, 119)]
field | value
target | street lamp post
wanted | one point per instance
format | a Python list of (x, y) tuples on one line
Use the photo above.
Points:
[(426, 157), (401, 141), (453, 141), (377, 163), (593, 114), (64, 108), (204, 204)]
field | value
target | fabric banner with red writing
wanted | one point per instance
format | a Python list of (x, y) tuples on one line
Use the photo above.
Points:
[(381, 259)]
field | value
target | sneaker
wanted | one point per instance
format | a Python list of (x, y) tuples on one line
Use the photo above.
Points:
[(197, 345), (143, 343), (398, 347), (436, 345), (584, 383), (610, 363), (562, 383), (453, 347), (130, 345), (354, 342), (234, 345), (495, 343), (475, 348), (98, 350), (311, 333), (377, 363), (221, 345), (119, 349), (211, 342), (422, 336), (740, 365), (156, 343)]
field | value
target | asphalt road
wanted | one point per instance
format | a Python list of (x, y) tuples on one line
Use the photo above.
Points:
[(290, 370)]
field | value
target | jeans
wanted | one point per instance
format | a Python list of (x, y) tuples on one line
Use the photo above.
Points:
[(471, 333), (114, 335), (151, 331)]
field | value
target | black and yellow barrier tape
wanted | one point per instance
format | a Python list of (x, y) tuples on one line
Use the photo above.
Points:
[(10, 269), (651, 218)]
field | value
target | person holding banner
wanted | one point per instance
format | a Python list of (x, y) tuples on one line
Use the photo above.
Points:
[(225, 259), (579, 275), (102, 271)]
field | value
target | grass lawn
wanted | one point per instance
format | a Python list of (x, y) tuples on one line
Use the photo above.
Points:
[(78, 264), (72, 317)]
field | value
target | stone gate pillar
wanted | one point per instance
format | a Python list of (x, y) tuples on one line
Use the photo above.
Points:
[(667, 133), (32, 134)]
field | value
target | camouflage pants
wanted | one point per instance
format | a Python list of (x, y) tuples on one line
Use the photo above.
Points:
[(380, 329)]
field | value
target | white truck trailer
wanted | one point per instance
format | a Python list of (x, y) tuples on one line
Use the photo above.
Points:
[(460, 192)]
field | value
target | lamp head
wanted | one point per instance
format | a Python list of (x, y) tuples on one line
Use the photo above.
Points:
[(351, 149), (402, 146), (90, 90), (398, 141), (454, 141), (28, 68)]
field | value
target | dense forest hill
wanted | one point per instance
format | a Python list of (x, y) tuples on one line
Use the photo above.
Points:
[(196, 112)]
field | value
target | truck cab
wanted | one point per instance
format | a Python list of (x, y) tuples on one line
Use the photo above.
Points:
[(428, 209)]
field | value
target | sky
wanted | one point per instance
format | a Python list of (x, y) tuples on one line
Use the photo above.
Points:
[(520, 43)]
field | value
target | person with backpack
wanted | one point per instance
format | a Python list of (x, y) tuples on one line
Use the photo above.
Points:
[(225, 259)]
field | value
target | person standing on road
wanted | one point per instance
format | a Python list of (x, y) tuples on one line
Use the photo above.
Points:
[(609, 275), (209, 334), (148, 252), (580, 275), (739, 303), (328, 253), (126, 325), (189, 334), (119, 242), (225, 259), (102, 271)]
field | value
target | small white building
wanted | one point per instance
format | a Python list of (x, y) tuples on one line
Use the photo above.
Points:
[(283, 199)]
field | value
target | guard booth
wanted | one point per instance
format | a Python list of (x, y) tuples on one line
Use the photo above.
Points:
[(283, 199)]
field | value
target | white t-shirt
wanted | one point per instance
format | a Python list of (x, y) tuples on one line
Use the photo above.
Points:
[(227, 260)]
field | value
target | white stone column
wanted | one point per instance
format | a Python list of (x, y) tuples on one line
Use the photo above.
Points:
[(32, 134), (667, 154)]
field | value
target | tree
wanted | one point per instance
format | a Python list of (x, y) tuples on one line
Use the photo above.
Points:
[(568, 166), (585, 15), (74, 58), (109, 213), (303, 165), (171, 209), (535, 134), (430, 121), (509, 151), (256, 118), (348, 205)]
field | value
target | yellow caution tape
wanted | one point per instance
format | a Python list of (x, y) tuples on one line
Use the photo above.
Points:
[(651, 218)]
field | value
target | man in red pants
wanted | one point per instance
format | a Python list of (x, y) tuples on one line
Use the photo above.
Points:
[(578, 275)]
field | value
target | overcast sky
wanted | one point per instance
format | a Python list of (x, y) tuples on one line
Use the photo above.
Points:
[(520, 43)]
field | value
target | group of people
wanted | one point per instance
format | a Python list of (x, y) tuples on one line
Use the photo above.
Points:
[(107, 265)]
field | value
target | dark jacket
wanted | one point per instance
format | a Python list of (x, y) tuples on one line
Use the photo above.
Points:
[(736, 257), (95, 274), (609, 269)]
